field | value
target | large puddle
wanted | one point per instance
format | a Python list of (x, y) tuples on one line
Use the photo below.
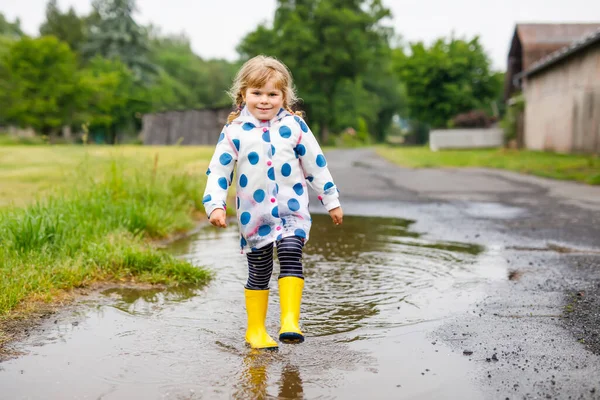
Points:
[(374, 291)]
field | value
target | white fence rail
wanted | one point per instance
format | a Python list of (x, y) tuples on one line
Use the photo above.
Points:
[(465, 138)]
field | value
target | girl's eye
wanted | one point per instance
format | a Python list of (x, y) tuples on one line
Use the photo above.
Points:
[(256, 93), (273, 94)]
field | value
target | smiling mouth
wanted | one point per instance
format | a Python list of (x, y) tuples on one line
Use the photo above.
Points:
[(263, 109)]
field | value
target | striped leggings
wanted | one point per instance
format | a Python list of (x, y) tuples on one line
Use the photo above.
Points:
[(260, 262)]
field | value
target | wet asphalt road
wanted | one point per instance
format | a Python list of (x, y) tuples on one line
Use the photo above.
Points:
[(535, 334), (475, 284)]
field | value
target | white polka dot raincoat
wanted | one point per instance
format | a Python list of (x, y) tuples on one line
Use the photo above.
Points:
[(275, 160)]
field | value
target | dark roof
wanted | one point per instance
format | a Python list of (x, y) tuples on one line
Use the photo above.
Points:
[(564, 52)]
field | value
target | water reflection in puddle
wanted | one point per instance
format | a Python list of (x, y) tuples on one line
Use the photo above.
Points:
[(374, 288)]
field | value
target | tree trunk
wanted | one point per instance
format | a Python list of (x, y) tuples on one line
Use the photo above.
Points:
[(324, 133)]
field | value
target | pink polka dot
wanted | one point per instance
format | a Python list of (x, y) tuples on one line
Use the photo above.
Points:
[(278, 228), (265, 129), (320, 197), (272, 199), (269, 163)]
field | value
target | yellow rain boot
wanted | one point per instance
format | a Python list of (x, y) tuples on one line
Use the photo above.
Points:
[(256, 308), (290, 297)]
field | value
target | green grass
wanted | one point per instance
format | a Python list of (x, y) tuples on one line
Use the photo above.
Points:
[(580, 168), (97, 212)]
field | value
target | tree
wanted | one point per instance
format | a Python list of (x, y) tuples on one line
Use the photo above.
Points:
[(10, 29), (68, 27), (108, 96), (115, 34), (38, 84), (325, 43), (450, 77), (186, 80)]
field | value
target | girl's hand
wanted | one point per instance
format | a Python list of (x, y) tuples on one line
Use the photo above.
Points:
[(337, 215), (217, 218)]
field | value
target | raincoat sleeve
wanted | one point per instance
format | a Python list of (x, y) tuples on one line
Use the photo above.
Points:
[(315, 167), (220, 173)]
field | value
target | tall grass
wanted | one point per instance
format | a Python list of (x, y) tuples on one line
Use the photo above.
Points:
[(99, 228)]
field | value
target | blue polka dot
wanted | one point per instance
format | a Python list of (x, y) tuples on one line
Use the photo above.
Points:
[(259, 195), (293, 205), (301, 123), (283, 221), (245, 218), (208, 171), (248, 126), (275, 212), (328, 185), (221, 137), (279, 237), (300, 150), (276, 188), (266, 137), (300, 233), (264, 230), (223, 183), (225, 158), (321, 162), (310, 178), (298, 189), (286, 169), (243, 180), (243, 242), (272, 150), (236, 143), (285, 132), (253, 158), (271, 173), (207, 198)]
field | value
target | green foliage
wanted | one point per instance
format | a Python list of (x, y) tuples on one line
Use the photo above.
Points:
[(68, 27), (97, 230), (10, 29), (348, 36), (38, 84), (510, 121), (107, 89), (450, 77), (185, 80), (115, 34)]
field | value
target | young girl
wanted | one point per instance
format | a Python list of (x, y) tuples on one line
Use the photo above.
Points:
[(276, 155)]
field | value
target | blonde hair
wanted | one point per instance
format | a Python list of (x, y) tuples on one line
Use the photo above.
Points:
[(255, 73)]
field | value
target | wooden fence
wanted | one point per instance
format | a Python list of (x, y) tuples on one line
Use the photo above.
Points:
[(189, 127)]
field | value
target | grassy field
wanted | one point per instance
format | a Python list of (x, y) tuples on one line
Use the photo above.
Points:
[(581, 168), (74, 215)]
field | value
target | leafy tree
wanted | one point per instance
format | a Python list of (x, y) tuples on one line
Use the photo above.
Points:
[(107, 92), (188, 80), (115, 34), (68, 27), (38, 84), (325, 43), (10, 29), (450, 77)]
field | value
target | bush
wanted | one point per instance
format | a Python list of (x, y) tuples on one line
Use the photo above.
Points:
[(472, 119)]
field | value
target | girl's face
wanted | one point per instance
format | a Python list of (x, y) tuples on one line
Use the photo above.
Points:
[(264, 102)]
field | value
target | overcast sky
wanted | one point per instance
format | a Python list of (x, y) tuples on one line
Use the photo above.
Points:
[(215, 27)]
